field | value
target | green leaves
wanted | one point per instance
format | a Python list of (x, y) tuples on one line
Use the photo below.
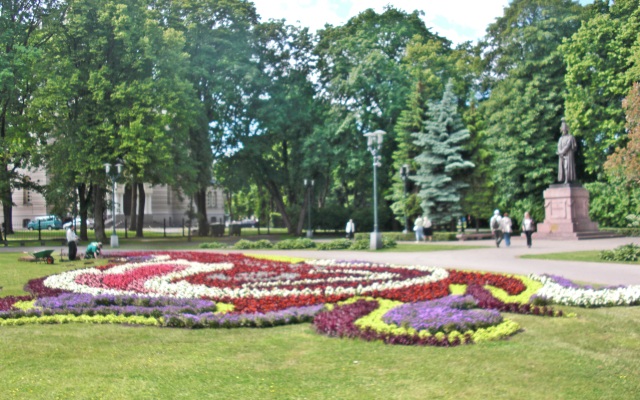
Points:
[(599, 59)]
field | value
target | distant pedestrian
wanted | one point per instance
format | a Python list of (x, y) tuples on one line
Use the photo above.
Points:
[(528, 227), (427, 228), (496, 229), (418, 228), (72, 242), (351, 229), (506, 224)]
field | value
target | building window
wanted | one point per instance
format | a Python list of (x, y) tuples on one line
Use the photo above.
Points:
[(214, 220), (210, 199), (26, 196)]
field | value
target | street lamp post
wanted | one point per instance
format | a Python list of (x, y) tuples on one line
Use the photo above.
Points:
[(308, 183), (374, 144), (404, 174), (114, 174)]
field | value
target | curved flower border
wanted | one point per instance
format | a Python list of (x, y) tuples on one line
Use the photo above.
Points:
[(212, 290)]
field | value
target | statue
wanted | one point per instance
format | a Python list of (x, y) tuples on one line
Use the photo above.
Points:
[(566, 150)]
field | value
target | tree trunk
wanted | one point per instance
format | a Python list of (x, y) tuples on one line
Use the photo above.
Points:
[(201, 204), (229, 199), (98, 212), (280, 206), (84, 198), (141, 200), (7, 209), (7, 201), (303, 211), (134, 201)]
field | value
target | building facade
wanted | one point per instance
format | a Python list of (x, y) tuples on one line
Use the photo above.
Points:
[(163, 205)]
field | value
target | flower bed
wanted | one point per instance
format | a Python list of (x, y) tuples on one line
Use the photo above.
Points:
[(395, 304)]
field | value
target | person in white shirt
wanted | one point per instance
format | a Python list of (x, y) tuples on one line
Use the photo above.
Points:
[(418, 227), (496, 229), (528, 227), (350, 228), (505, 224), (72, 242)]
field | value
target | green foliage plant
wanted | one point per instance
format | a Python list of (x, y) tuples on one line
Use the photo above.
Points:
[(628, 252), (337, 244), (213, 245), (291, 244), (244, 244)]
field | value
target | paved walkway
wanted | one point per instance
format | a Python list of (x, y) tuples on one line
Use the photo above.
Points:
[(504, 259), (490, 258)]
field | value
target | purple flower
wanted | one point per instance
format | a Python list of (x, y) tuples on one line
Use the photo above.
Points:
[(445, 314)]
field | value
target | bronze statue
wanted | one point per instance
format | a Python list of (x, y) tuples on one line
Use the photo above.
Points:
[(566, 150)]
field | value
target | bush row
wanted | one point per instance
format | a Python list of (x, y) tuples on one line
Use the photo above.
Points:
[(301, 243)]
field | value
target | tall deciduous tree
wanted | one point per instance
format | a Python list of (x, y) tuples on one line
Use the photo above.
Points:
[(525, 79), (25, 28), (220, 43), (441, 164), (600, 59), (283, 113), (625, 161), (362, 77), (117, 92)]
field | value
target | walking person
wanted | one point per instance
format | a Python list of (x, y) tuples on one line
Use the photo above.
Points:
[(528, 227), (350, 229), (418, 228), (72, 242), (506, 224), (427, 228), (496, 229)]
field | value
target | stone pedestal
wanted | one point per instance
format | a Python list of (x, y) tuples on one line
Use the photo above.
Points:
[(567, 214)]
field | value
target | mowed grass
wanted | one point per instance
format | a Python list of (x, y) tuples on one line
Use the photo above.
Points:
[(422, 247), (581, 256), (593, 356)]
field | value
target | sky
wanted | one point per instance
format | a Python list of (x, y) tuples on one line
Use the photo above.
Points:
[(457, 20)]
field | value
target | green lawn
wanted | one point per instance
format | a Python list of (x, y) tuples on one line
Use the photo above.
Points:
[(422, 247), (593, 356), (582, 256)]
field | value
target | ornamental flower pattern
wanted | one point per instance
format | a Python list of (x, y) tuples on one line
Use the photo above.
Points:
[(236, 279), (410, 305)]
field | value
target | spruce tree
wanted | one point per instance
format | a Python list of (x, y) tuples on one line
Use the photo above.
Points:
[(441, 165)]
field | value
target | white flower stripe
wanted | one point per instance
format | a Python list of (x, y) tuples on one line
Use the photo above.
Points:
[(170, 284), (575, 296)]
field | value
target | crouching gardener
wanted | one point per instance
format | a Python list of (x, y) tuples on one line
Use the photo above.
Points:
[(93, 250)]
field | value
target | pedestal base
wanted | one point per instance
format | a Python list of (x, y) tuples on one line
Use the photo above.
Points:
[(309, 234), (375, 241), (114, 241), (567, 214)]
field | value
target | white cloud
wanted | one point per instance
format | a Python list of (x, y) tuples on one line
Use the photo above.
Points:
[(457, 20)]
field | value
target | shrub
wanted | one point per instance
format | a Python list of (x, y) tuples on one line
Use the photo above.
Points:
[(338, 244), (360, 245), (396, 236), (300, 243), (388, 242), (365, 244), (213, 245), (249, 245), (627, 252), (444, 236)]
